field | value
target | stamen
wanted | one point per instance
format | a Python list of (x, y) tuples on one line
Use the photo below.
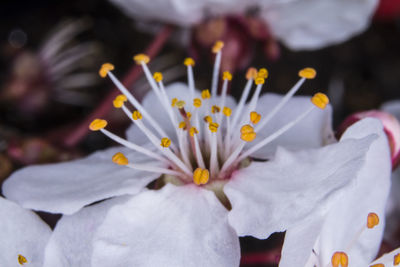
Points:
[(263, 73), (197, 102), (320, 100), (105, 68), (141, 58), (120, 159), (193, 131), (136, 115), (180, 104), (213, 126), (174, 101), (254, 117), (215, 109), (189, 63), (340, 259), (396, 260), (150, 168), (307, 73), (182, 125), (216, 50), (158, 77), (165, 142), (201, 176), (205, 94), (119, 101), (247, 133), (227, 111), (372, 220), (207, 119), (21, 259), (97, 125), (198, 155)]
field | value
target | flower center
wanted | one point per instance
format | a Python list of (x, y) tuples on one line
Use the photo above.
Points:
[(209, 137)]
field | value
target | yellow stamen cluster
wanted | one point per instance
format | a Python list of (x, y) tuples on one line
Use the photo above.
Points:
[(227, 111), (255, 117), (197, 102), (165, 142), (193, 131), (120, 159), (188, 62), (173, 101), (396, 260), (372, 220), (340, 259), (227, 76), (136, 115), (119, 101), (320, 100), (308, 73), (158, 77), (217, 46), (97, 124), (182, 125), (263, 73), (207, 119), (21, 259), (205, 94), (141, 58), (247, 133), (251, 73), (213, 126), (105, 68), (201, 176), (180, 104), (215, 109)]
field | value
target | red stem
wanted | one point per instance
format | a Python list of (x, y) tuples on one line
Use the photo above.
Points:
[(260, 258), (81, 130)]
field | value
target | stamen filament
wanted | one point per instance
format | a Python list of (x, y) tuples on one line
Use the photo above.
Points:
[(283, 101), (214, 168), (190, 80), (217, 65), (242, 101), (199, 156), (150, 168)]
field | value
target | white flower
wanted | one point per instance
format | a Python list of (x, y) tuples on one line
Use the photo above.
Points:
[(201, 145), (354, 224), (23, 236), (300, 24)]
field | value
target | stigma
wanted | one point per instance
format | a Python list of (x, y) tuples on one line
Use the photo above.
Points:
[(210, 137)]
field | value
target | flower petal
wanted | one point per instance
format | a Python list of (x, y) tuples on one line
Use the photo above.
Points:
[(67, 187), (276, 195), (314, 24), (313, 131), (22, 233), (175, 226), (71, 243), (387, 259), (369, 194)]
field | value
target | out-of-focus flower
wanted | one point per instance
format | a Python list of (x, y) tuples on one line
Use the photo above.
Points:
[(58, 71), (346, 229), (23, 235), (388, 10), (300, 24), (200, 148)]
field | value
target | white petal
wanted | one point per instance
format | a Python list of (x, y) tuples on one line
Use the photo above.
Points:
[(22, 232), (313, 131), (368, 194), (71, 243), (67, 187), (175, 226), (276, 195), (392, 107), (311, 24), (387, 259)]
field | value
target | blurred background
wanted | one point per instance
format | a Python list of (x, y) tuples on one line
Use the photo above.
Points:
[(50, 53)]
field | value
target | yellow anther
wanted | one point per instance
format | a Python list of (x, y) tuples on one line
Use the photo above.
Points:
[(263, 73), (205, 94), (201, 176), (320, 100), (213, 126), (197, 102), (188, 62), (193, 131), (247, 133), (340, 259), (372, 220), (173, 101), (207, 119), (21, 259), (308, 73), (119, 101), (97, 124), (378, 265), (251, 73), (227, 111), (158, 76), (120, 159), (217, 46), (215, 109), (165, 142), (396, 259), (227, 76), (105, 68), (182, 125), (189, 115), (180, 104), (259, 80), (141, 58), (255, 117), (136, 115)]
